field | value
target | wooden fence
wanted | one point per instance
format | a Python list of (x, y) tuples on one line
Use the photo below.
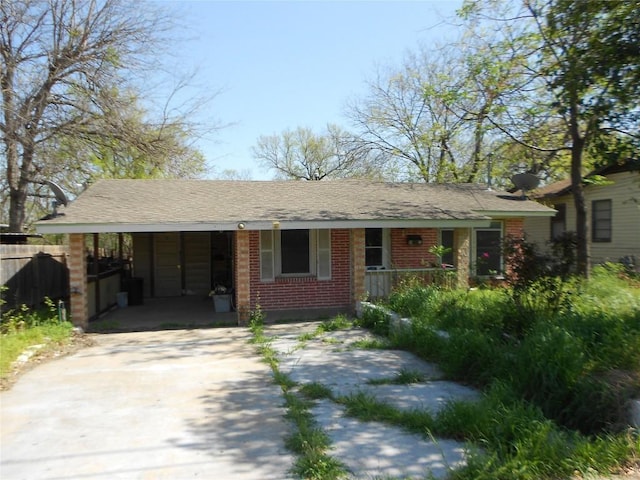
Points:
[(32, 272)]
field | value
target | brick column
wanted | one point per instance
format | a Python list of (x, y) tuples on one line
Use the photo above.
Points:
[(461, 250), (358, 291), (78, 281), (243, 276), (513, 229)]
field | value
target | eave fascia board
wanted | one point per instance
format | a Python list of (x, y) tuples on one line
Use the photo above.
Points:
[(132, 227), (503, 214), (45, 228)]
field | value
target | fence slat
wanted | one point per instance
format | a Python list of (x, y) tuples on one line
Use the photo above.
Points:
[(32, 272)]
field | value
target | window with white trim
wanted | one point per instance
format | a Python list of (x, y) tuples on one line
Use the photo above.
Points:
[(488, 249), (295, 253), (446, 240), (376, 247), (601, 220)]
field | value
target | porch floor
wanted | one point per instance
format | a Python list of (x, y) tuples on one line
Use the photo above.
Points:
[(168, 313)]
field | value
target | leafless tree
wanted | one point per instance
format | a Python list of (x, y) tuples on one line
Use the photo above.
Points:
[(68, 73), (301, 154)]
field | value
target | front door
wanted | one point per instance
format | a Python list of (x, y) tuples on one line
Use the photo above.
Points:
[(167, 271)]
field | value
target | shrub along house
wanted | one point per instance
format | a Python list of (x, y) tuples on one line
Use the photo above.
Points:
[(289, 245)]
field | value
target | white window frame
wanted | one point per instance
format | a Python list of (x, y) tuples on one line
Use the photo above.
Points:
[(386, 242), (496, 226), (278, 256), (271, 255), (601, 223), (453, 246)]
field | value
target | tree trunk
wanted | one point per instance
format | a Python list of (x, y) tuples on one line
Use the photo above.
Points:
[(19, 183), (583, 256)]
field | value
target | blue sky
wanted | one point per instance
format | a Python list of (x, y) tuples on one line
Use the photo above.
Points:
[(286, 64)]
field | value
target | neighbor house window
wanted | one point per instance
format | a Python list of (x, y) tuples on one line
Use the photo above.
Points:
[(559, 222), (290, 253), (601, 220), (488, 249), (376, 241)]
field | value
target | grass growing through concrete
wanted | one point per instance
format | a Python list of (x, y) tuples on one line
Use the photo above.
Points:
[(404, 377), (557, 360), (308, 441), (23, 328)]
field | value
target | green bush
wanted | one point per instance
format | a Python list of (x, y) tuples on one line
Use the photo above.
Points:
[(569, 347), (471, 356), (25, 327), (375, 319)]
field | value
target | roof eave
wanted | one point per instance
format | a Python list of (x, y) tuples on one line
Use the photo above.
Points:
[(49, 228), (517, 214)]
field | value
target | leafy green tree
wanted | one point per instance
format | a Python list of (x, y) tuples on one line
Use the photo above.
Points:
[(589, 60), (581, 78)]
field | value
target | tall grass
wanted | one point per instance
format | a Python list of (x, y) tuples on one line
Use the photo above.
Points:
[(572, 348), (559, 361), (24, 327)]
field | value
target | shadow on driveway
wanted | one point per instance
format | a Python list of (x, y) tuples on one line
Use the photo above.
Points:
[(172, 404)]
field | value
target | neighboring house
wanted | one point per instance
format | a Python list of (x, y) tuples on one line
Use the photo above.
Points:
[(288, 245), (613, 211)]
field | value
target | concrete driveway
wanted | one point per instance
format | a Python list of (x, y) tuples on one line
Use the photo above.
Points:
[(148, 405)]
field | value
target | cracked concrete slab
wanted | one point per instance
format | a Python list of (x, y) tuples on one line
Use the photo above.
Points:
[(371, 449), (374, 450)]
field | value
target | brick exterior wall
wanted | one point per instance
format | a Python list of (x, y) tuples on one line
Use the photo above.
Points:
[(461, 250), (514, 227), (412, 256), (300, 292), (242, 262), (358, 288), (79, 300)]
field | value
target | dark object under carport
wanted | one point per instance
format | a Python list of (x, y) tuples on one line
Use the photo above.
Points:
[(134, 287)]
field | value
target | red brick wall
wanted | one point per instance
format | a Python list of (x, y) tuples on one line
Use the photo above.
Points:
[(514, 227), (78, 280), (412, 256), (242, 274), (358, 267), (303, 292)]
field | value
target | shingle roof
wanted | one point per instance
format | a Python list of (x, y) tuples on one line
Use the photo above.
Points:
[(175, 202), (563, 187)]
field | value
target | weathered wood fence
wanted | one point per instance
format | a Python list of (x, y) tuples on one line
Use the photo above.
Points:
[(32, 272)]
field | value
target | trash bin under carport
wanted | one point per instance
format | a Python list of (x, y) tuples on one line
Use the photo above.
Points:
[(135, 290)]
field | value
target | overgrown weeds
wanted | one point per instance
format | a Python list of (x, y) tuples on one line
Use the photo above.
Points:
[(559, 360), (23, 327), (308, 441)]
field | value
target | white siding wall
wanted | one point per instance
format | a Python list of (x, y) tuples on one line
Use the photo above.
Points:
[(537, 230), (625, 206), (624, 194)]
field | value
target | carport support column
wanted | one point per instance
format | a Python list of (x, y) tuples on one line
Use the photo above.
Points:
[(461, 249), (243, 276), (78, 281), (358, 291)]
